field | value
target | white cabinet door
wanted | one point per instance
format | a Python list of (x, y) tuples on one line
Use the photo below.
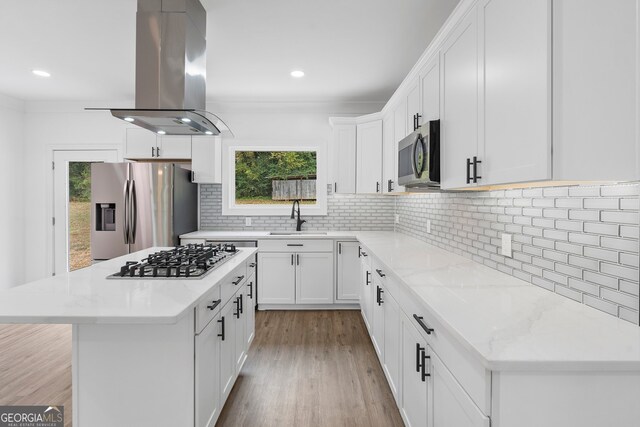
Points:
[(369, 154), (413, 106), (459, 112), (344, 158), (377, 313), (595, 97), (430, 89), (174, 147), (366, 285), (392, 343), (240, 328), (389, 153), (227, 350), (250, 311), (450, 405), (206, 159), (140, 144), (348, 272), (314, 278), (207, 375), (414, 383), (277, 278), (515, 92), (399, 132)]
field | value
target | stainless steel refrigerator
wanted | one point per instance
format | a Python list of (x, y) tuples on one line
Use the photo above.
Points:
[(135, 206)]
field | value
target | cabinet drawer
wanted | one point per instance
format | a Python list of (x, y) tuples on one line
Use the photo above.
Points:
[(295, 245), (251, 266), (232, 283), (208, 308)]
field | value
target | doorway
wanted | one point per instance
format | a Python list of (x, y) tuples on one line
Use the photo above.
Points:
[(72, 206)]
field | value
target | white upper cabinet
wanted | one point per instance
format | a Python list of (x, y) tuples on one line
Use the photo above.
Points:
[(369, 154), (595, 90), (430, 90), (206, 163), (389, 154), (459, 110), (414, 114), (174, 147), (140, 144), (399, 132), (515, 93), (344, 158)]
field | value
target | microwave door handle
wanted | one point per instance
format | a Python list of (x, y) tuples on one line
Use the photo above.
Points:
[(125, 228), (413, 158)]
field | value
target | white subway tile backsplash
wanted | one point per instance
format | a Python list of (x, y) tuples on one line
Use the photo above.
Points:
[(576, 241)]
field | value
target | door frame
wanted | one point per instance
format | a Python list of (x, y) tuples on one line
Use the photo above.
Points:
[(50, 193)]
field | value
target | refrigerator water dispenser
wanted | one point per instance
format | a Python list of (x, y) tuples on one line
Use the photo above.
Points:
[(105, 217)]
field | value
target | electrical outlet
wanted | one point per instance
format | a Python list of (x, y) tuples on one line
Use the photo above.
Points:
[(506, 245), (247, 222), (429, 226), (397, 219)]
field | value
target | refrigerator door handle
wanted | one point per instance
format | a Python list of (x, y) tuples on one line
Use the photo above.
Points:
[(125, 228), (133, 211)]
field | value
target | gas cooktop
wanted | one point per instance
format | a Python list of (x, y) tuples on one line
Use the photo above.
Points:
[(182, 262)]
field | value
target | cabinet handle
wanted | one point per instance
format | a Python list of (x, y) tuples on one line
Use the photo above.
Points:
[(377, 186), (238, 280), (468, 170), (335, 187), (418, 115), (379, 292), (359, 251), (295, 244), (297, 259), (423, 325), (424, 372), (291, 259), (414, 122), (380, 273), (475, 169), (237, 302), (193, 176), (214, 304), (158, 152), (250, 290), (339, 248), (364, 253), (241, 303), (390, 186), (252, 265), (419, 349), (221, 334), (368, 275), (153, 151)]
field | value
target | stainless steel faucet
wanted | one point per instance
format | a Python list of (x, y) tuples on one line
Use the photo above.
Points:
[(293, 215)]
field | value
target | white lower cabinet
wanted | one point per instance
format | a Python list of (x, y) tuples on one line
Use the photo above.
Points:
[(392, 343), (377, 314), (295, 278), (415, 390), (207, 374), (348, 272), (366, 285), (250, 311), (277, 278), (240, 326), (449, 404), (227, 350)]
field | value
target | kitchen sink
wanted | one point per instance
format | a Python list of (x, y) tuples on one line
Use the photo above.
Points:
[(297, 233)]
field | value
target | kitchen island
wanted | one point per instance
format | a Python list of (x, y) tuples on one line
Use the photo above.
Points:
[(146, 352)]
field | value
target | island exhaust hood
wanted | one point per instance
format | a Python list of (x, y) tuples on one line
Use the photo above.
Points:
[(171, 70)]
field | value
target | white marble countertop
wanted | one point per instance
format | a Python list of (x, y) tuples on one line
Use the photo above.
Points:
[(261, 235), (87, 296), (506, 322)]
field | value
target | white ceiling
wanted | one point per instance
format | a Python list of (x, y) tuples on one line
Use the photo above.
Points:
[(350, 50)]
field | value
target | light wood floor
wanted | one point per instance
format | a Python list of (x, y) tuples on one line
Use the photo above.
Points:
[(311, 368), (305, 368), (35, 366)]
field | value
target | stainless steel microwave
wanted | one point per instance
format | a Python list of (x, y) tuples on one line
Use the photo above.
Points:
[(419, 157)]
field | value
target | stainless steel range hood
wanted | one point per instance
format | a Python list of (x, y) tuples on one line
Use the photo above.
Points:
[(171, 70)]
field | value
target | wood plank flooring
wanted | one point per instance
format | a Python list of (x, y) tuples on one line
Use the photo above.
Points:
[(305, 369), (35, 366), (311, 368)]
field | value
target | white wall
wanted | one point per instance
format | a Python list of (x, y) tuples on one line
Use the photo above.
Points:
[(11, 178), (51, 125)]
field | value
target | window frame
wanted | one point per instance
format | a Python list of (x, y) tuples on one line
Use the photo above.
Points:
[(229, 206)]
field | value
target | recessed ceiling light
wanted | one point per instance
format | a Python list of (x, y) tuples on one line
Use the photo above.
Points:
[(185, 120), (129, 119), (161, 132), (41, 73), (297, 73), (208, 132)]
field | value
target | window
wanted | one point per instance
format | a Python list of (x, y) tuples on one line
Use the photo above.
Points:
[(265, 179)]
